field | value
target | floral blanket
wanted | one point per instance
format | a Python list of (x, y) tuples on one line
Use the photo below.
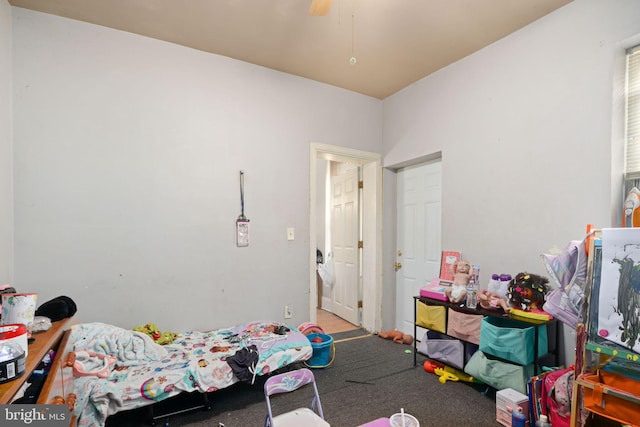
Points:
[(143, 372)]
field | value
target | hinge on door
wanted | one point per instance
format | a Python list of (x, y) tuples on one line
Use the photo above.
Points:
[(361, 184), (360, 244), (360, 304)]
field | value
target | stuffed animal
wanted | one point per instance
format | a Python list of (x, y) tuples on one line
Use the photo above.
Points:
[(461, 271), (397, 337), (152, 330)]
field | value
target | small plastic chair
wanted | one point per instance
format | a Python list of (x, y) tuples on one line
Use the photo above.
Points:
[(288, 382)]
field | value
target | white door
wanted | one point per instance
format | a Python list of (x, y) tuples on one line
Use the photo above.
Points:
[(418, 236), (344, 240)]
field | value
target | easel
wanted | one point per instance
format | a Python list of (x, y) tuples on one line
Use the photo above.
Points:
[(592, 351)]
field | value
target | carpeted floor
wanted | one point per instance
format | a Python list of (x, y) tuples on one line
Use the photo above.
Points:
[(369, 378)]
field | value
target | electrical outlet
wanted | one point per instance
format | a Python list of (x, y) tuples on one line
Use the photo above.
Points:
[(288, 313)]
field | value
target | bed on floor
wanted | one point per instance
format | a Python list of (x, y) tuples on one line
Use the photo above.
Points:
[(109, 369)]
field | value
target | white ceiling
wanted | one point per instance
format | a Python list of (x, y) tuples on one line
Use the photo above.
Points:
[(395, 42)]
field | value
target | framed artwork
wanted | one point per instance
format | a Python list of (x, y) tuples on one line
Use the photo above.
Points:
[(619, 288)]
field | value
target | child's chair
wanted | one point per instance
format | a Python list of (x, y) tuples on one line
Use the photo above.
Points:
[(288, 382)]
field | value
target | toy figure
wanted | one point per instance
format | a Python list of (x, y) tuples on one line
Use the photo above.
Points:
[(397, 337), (461, 271), (527, 291), (492, 301)]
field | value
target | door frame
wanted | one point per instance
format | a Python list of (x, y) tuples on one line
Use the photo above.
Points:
[(371, 228)]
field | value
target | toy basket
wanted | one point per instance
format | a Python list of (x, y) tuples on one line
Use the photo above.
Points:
[(511, 340), (612, 395), (431, 317), (323, 352), (499, 374)]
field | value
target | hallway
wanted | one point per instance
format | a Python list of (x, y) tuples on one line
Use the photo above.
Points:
[(331, 323)]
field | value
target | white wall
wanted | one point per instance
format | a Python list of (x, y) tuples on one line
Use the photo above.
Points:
[(528, 133), (127, 152), (127, 160), (6, 170)]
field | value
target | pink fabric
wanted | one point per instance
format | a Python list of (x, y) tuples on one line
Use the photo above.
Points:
[(464, 326)]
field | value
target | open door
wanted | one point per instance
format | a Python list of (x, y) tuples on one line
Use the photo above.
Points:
[(345, 234)]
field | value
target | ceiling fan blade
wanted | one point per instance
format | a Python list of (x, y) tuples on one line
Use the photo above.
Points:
[(320, 7)]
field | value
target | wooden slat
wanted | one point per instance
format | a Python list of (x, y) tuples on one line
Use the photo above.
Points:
[(44, 341), (54, 373)]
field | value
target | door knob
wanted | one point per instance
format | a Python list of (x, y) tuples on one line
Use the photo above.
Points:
[(397, 266)]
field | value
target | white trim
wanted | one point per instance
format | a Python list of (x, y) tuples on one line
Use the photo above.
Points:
[(372, 226)]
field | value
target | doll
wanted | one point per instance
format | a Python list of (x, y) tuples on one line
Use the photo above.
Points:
[(461, 271), (527, 291), (397, 337), (492, 301)]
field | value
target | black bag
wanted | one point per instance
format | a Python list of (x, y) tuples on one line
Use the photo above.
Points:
[(57, 309)]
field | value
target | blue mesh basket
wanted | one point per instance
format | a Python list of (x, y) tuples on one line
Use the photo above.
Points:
[(323, 352)]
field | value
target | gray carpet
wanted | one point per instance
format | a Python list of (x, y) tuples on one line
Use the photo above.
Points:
[(369, 378)]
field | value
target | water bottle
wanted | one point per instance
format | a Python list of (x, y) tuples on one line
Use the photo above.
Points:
[(472, 294), (543, 421), (518, 419)]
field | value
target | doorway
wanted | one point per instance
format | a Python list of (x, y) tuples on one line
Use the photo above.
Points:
[(371, 219), (332, 324)]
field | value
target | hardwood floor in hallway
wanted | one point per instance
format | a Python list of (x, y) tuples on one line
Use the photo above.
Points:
[(331, 323)]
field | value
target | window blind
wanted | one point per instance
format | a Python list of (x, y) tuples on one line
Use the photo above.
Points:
[(632, 163)]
